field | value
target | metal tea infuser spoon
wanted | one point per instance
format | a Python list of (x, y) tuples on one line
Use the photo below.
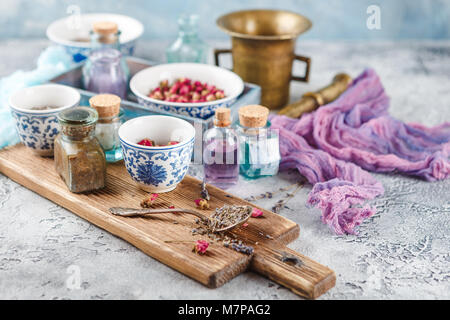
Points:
[(131, 212)]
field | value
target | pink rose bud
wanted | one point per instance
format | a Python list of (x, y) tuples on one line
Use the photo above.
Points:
[(174, 88), (185, 89), (201, 246), (205, 92), (197, 83), (256, 213), (219, 95), (210, 97)]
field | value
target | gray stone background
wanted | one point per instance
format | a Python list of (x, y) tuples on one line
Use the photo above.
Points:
[(400, 253)]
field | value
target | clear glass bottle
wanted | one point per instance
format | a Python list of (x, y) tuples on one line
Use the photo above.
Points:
[(220, 152), (259, 145), (79, 158), (110, 117), (188, 47), (105, 70)]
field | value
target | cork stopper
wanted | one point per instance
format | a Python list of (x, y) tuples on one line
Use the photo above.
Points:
[(105, 27), (223, 117), (253, 116), (107, 105)]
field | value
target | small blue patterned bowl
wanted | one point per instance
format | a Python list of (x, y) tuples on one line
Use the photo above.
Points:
[(157, 169), (72, 33), (37, 129), (146, 80)]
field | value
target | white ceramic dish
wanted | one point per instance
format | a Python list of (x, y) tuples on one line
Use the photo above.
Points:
[(144, 81), (37, 129), (73, 32), (157, 169)]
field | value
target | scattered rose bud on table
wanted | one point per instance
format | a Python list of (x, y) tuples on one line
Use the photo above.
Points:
[(202, 204), (148, 201), (201, 246), (256, 213)]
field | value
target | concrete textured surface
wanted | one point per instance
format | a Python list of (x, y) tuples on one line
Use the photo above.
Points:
[(400, 253)]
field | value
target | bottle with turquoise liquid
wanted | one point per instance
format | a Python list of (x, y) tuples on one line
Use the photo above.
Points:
[(188, 47), (259, 150)]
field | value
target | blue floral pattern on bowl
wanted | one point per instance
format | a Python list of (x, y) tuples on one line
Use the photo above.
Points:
[(157, 170), (202, 112), (37, 131)]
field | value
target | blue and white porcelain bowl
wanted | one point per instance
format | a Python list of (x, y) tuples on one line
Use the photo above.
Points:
[(72, 32), (144, 81), (157, 169), (37, 129)]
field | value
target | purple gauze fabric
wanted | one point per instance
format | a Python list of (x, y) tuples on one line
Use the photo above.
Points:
[(331, 146)]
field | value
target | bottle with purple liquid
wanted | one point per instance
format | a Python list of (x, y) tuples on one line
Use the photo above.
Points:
[(105, 70), (220, 152)]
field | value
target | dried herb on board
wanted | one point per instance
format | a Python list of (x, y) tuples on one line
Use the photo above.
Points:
[(227, 216)]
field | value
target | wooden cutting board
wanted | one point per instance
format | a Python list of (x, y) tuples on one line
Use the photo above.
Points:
[(268, 234)]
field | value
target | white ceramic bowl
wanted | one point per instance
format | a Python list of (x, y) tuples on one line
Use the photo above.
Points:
[(157, 169), (37, 129), (146, 80), (70, 30)]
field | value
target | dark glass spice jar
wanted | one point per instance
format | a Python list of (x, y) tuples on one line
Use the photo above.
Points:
[(79, 157)]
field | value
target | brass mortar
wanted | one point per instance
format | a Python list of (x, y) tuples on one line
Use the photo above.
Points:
[(263, 44)]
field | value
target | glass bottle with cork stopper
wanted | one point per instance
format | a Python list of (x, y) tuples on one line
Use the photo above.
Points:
[(109, 121), (105, 70), (259, 145), (220, 151), (79, 158)]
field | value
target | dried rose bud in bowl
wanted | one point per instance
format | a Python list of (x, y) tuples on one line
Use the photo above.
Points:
[(202, 90), (150, 143), (185, 90)]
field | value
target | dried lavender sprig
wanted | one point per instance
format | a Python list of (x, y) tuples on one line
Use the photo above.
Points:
[(269, 195), (204, 193), (282, 203), (242, 248)]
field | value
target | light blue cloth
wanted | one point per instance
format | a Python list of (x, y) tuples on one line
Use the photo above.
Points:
[(52, 62)]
